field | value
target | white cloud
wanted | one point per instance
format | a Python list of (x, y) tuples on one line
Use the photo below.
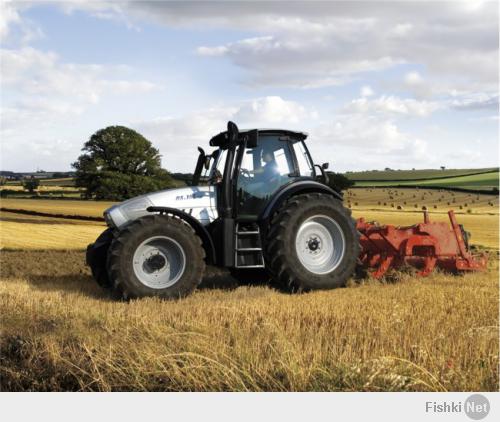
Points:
[(8, 16), (11, 22), (183, 134), (35, 72), (44, 96), (392, 105), (295, 61), (413, 78), (42, 84), (475, 101), (298, 44), (373, 134), (315, 44), (270, 110), (358, 141), (366, 91)]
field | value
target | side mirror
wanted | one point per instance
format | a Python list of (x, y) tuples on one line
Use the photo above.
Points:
[(232, 132), (252, 138), (325, 166)]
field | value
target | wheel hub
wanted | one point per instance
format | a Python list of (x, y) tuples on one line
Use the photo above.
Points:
[(320, 244), (159, 262), (314, 244), (155, 262)]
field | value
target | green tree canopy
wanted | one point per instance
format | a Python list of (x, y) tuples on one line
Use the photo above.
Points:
[(31, 184), (118, 163)]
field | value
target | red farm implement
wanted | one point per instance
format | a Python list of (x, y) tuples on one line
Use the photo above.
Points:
[(424, 245)]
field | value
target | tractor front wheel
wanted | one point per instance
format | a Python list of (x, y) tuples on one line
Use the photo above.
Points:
[(312, 244)]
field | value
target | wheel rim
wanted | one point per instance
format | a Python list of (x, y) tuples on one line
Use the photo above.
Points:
[(320, 244), (159, 262)]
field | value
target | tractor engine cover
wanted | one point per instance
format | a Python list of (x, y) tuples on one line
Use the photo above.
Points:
[(197, 201)]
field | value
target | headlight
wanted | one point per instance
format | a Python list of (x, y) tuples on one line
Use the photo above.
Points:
[(135, 208), (108, 219), (118, 215)]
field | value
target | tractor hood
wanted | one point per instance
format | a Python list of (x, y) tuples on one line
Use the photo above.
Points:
[(198, 201)]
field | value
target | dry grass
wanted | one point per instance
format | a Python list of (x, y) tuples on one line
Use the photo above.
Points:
[(442, 200), (19, 231), (54, 206), (42, 188), (61, 332)]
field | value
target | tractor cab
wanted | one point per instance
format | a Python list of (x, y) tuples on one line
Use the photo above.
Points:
[(250, 166)]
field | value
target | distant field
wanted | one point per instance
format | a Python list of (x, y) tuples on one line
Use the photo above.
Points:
[(390, 175), (414, 199), (486, 181), (478, 212), (29, 232), (64, 207), (66, 181)]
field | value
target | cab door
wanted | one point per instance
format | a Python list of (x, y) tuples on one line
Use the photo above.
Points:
[(263, 170)]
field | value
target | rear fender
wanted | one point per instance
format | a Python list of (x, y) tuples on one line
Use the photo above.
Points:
[(292, 189)]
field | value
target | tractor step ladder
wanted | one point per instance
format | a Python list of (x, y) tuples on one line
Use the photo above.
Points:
[(248, 246)]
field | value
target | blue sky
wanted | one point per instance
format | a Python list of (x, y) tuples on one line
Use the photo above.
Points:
[(393, 84)]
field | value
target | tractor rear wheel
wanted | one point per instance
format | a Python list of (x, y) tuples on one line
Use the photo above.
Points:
[(156, 256), (312, 244)]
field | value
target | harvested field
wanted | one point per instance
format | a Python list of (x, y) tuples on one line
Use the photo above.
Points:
[(61, 332)]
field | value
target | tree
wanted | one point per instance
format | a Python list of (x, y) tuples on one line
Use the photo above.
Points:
[(118, 164), (31, 184), (443, 168), (339, 182), (3, 180)]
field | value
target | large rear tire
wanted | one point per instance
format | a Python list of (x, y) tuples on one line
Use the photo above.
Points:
[(156, 256), (312, 244)]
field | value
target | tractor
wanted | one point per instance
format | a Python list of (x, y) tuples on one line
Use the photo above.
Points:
[(260, 207), (257, 205)]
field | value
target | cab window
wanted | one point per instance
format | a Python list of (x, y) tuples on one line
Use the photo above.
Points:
[(306, 168), (263, 170)]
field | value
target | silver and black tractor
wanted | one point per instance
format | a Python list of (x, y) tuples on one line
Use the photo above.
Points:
[(258, 206)]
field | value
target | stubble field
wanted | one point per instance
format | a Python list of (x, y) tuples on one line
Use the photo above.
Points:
[(60, 331)]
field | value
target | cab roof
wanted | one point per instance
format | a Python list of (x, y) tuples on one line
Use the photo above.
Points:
[(221, 139)]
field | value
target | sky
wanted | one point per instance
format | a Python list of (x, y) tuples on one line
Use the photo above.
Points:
[(375, 84)]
